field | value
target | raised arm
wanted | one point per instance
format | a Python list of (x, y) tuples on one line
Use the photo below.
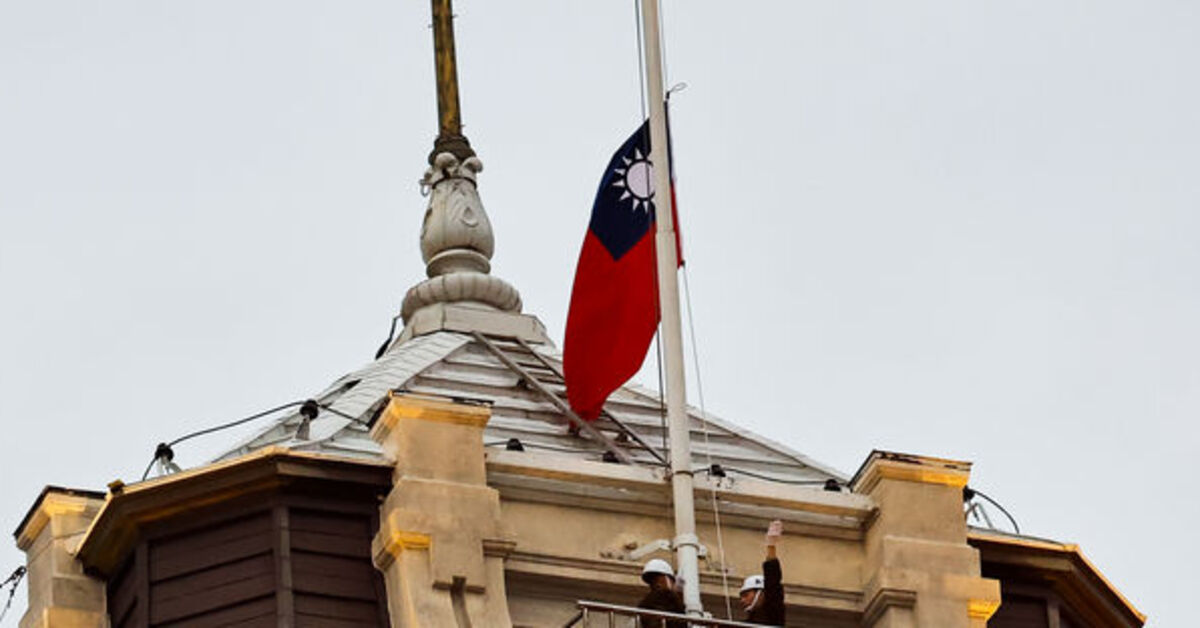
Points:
[(774, 533)]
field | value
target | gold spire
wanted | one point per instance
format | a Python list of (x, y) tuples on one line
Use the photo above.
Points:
[(450, 138)]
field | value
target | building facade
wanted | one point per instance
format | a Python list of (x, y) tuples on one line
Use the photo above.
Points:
[(448, 483)]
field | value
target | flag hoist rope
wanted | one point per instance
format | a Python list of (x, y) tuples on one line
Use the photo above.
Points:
[(687, 545), (712, 481)]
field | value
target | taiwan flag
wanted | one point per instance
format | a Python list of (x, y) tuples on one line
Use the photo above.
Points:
[(614, 302)]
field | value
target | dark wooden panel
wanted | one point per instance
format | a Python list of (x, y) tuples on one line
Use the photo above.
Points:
[(1020, 612), (307, 621), (128, 619), (334, 544), (363, 613), (199, 602), (355, 526), (214, 533), (334, 581), (219, 544), (255, 613), (207, 557), (200, 581), (310, 621), (122, 596), (288, 557), (141, 582), (281, 554), (330, 533), (333, 575)]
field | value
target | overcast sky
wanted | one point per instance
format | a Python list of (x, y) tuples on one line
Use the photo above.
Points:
[(962, 229)]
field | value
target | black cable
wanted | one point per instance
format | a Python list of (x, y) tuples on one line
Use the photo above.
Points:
[(236, 423), (770, 478), (387, 343), (17, 574), (995, 503), (223, 426), (344, 415), (15, 579)]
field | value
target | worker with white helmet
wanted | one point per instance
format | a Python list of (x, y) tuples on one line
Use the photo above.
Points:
[(663, 594), (762, 594)]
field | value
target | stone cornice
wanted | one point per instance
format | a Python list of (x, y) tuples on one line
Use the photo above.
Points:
[(52, 502), (531, 472), (881, 465), (425, 408), (885, 599)]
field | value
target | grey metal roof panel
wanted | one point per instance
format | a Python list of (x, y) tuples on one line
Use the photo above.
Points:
[(456, 364)]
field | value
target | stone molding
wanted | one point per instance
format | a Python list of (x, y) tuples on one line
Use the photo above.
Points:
[(881, 465), (428, 409), (885, 600), (509, 468), (468, 318), (397, 541), (52, 503), (461, 287)]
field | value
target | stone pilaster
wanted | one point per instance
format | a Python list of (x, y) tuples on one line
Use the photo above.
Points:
[(441, 542), (919, 569), (60, 594)]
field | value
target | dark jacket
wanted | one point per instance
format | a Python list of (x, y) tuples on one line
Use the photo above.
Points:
[(663, 600), (770, 610)]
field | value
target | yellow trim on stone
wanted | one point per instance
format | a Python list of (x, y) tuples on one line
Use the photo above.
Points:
[(408, 406), (402, 540), (955, 479), (982, 609), (909, 472), (52, 506)]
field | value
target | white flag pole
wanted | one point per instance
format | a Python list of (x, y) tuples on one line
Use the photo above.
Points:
[(687, 545)]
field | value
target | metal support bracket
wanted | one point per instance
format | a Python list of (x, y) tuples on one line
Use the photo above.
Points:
[(553, 398), (605, 413)]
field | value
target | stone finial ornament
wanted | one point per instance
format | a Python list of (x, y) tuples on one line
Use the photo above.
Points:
[(456, 235), (457, 242)]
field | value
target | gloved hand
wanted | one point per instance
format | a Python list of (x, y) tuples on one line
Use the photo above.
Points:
[(774, 533)]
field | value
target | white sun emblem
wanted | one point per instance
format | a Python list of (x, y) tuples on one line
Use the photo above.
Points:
[(637, 179)]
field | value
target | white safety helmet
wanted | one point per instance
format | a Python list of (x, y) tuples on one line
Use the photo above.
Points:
[(655, 567), (752, 583)]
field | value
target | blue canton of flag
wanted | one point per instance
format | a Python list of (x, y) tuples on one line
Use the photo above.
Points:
[(624, 207)]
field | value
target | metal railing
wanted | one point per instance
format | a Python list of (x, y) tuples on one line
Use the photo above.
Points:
[(613, 616)]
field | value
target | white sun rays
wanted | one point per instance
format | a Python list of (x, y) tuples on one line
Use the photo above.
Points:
[(637, 180)]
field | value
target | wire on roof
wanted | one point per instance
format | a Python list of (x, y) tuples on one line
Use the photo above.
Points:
[(165, 454), (717, 470), (970, 493), (325, 406), (14, 580), (164, 451), (387, 343)]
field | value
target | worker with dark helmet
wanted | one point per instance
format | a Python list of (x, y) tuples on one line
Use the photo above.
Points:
[(762, 594), (662, 596)]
